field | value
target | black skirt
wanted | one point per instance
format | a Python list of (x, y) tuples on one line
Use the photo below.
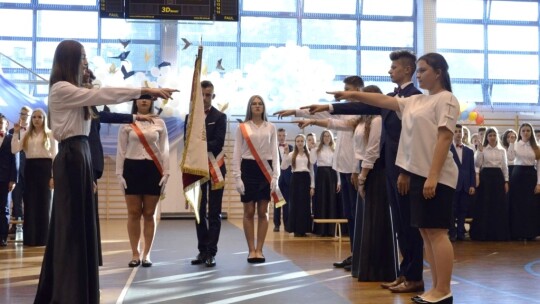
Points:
[(490, 212), (374, 249), (37, 201), (524, 215), (325, 202), (69, 273), (430, 213), (257, 187), (300, 209), (142, 177)]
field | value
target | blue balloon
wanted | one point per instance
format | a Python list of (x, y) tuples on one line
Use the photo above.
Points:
[(464, 115)]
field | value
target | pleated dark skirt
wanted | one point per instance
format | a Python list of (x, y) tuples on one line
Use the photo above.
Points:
[(491, 210), (524, 214), (325, 203), (69, 273), (374, 252), (142, 177), (431, 213), (299, 208), (37, 201), (257, 187)]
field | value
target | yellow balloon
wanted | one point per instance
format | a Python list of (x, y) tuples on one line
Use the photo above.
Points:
[(473, 115)]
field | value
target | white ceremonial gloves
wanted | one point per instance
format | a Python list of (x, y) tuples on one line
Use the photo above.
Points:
[(273, 185), (121, 181), (240, 186), (164, 180)]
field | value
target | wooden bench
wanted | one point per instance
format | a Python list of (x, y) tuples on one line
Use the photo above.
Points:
[(338, 222)]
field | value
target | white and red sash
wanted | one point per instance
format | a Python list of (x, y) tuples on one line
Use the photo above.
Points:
[(277, 197), (150, 152), (214, 164)]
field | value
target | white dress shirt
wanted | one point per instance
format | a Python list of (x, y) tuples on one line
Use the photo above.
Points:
[(130, 147), (343, 160), (264, 139), (421, 116), (67, 102), (301, 165), (323, 158), (523, 155), (492, 157), (35, 147)]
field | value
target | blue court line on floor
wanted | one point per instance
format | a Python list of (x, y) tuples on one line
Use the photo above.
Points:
[(529, 268)]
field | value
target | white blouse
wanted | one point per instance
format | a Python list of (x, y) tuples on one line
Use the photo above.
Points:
[(35, 148), (264, 139), (421, 116), (130, 147), (67, 102), (523, 155), (368, 152), (301, 165), (323, 158), (492, 157)]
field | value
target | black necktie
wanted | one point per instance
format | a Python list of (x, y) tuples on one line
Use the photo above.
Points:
[(397, 91)]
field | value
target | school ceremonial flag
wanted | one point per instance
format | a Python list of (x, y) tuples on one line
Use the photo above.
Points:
[(194, 164)]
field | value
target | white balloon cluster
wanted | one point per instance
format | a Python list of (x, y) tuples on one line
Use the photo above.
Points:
[(284, 76)]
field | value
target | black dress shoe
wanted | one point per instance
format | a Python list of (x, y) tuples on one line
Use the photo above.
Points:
[(347, 261), (210, 261), (347, 268), (416, 299), (3, 243), (134, 263), (201, 258), (276, 228), (146, 263)]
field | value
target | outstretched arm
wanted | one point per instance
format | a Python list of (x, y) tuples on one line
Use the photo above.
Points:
[(374, 99)]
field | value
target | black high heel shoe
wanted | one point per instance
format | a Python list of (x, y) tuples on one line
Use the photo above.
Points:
[(448, 299), (146, 263), (134, 263)]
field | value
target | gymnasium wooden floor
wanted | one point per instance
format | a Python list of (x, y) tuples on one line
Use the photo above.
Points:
[(484, 272)]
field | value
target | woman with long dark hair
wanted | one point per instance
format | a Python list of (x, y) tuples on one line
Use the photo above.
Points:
[(524, 185), (69, 273), (40, 148), (256, 171)]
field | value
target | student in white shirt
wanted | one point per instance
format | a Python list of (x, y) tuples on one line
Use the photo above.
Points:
[(302, 186), (251, 182), (71, 255), (428, 123), (524, 185), (491, 217), (143, 150), (39, 147)]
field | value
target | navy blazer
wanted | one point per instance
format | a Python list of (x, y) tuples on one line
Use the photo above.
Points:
[(216, 129), (391, 123), (94, 139), (8, 167), (467, 175)]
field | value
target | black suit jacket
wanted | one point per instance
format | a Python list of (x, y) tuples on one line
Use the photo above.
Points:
[(8, 167), (391, 130), (285, 175), (216, 128), (467, 175), (96, 148)]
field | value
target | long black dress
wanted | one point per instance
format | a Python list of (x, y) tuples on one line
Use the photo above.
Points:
[(325, 202), (524, 215), (491, 213), (69, 273), (374, 252)]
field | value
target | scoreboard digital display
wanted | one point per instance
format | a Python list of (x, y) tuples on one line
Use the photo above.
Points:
[(219, 10)]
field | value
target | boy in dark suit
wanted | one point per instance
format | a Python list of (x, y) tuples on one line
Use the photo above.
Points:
[(283, 184), (8, 177), (212, 191), (464, 158)]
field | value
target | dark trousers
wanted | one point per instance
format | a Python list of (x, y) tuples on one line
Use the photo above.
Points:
[(4, 210), (284, 188), (460, 209), (348, 201), (210, 219), (409, 239)]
